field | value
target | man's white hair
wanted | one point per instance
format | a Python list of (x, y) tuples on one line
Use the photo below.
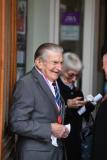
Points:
[(72, 61)]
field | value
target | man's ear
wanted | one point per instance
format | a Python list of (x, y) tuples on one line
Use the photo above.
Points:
[(38, 62)]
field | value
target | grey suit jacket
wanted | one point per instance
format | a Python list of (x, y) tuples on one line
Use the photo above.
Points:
[(33, 110)]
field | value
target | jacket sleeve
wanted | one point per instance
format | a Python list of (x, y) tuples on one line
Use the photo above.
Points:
[(21, 119), (89, 107), (100, 134)]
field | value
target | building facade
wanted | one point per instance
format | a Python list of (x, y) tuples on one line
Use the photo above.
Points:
[(78, 25)]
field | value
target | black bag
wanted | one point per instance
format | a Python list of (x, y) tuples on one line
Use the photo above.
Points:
[(87, 138)]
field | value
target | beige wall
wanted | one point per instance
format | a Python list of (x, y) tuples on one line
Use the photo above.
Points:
[(37, 27)]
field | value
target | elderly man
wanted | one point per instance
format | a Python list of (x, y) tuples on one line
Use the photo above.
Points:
[(37, 115)]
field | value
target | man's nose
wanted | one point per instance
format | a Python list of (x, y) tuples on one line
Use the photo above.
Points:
[(59, 67)]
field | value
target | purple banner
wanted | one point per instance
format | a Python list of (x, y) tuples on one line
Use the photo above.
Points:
[(72, 18)]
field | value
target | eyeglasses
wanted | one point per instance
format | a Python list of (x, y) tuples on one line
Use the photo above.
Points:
[(72, 75)]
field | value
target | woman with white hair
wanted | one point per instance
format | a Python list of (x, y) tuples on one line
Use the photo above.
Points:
[(74, 100)]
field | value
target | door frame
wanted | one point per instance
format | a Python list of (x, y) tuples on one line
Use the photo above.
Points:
[(7, 63)]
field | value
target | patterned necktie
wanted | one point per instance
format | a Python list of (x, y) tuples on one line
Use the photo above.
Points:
[(57, 95), (58, 101)]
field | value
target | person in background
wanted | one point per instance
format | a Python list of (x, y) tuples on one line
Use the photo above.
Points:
[(100, 129), (36, 116), (74, 100)]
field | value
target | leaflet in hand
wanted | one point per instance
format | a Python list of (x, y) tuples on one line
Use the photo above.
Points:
[(93, 100)]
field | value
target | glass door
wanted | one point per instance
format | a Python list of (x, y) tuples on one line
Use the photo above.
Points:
[(21, 37), (71, 25)]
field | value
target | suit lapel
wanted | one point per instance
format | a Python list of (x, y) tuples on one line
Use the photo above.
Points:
[(44, 85)]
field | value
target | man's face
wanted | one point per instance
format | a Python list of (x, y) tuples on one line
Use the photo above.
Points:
[(105, 65), (52, 65), (70, 76)]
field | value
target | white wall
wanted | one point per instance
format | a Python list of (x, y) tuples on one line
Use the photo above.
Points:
[(90, 46), (37, 27)]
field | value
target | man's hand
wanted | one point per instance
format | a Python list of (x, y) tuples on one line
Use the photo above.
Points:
[(59, 130)]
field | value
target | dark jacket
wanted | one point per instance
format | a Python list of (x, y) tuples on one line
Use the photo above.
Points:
[(100, 133), (73, 141)]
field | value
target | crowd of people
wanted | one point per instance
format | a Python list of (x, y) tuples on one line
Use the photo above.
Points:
[(46, 109)]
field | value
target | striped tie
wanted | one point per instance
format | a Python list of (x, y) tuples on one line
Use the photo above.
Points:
[(57, 95)]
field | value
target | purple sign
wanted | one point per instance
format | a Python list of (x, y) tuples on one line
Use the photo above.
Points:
[(72, 18)]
